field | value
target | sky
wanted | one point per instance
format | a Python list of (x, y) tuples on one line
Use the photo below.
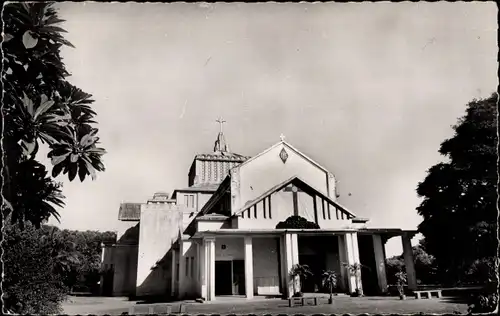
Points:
[(367, 90)]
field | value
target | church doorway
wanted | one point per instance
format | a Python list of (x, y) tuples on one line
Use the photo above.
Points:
[(223, 278), (369, 277), (316, 264), (312, 255), (238, 277)]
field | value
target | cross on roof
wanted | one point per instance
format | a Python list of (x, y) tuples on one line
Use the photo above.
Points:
[(221, 121), (282, 137)]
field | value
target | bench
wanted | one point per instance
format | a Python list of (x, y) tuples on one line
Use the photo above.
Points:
[(302, 301), (428, 293)]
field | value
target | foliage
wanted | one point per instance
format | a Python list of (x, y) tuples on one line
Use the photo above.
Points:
[(41, 107), (484, 271), (87, 246), (296, 222), (401, 279), (33, 262), (424, 266), (301, 271), (42, 265), (459, 196), (329, 279), (354, 270), (485, 302)]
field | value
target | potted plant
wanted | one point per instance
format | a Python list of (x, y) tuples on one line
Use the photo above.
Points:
[(400, 284), (300, 271), (354, 270), (330, 280)]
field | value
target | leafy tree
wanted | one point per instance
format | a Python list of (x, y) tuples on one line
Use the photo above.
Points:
[(296, 222), (34, 260), (459, 196), (87, 246), (43, 265), (424, 266), (460, 204), (41, 107)]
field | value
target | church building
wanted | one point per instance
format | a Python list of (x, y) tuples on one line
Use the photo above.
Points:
[(218, 236)]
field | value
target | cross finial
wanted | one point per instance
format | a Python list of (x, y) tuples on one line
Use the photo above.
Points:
[(282, 137), (221, 121)]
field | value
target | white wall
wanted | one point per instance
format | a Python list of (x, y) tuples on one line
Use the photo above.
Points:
[(233, 248), (265, 266), (281, 206), (208, 225), (268, 170), (160, 226)]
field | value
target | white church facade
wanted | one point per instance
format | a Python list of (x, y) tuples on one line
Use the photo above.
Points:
[(218, 236)]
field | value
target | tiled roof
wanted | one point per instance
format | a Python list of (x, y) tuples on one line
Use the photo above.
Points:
[(222, 156), (130, 212), (201, 187)]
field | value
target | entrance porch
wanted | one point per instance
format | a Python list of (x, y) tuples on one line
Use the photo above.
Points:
[(257, 263)]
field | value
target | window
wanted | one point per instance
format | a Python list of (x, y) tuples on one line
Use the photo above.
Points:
[(192, 267), (187, 266), (189, 200), (177, 272)]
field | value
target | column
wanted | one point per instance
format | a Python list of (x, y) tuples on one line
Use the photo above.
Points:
[(342, 259), (210, 268), (378, 248), (174, 268), (352, 255), (409, 264), (248, 267), (291, 258), (201, 269), (183, 280), (295, 258)]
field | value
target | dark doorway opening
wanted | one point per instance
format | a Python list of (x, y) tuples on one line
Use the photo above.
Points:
[(238, 277), (316, 264), (223, 278), (369, 277), (107, 286)]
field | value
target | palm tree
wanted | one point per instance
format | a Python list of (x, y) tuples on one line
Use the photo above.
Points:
[(330, 280), (354, 270), (300, 271), (400, 283)]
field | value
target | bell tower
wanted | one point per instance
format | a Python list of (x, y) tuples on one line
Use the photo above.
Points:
[(212, 168)]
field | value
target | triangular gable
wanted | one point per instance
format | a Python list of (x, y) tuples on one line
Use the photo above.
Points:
[(283, 184), (291, 148)]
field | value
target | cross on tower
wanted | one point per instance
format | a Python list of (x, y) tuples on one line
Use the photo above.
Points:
[(282, 137), (221, 121)]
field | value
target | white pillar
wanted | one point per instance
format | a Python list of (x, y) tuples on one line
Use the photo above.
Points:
[(248, 267), (291, 259), (183, 258), (409, 264), (342, 259), (210, 268), (202, 269), (352, 255), (174, 268), (378, 248)]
